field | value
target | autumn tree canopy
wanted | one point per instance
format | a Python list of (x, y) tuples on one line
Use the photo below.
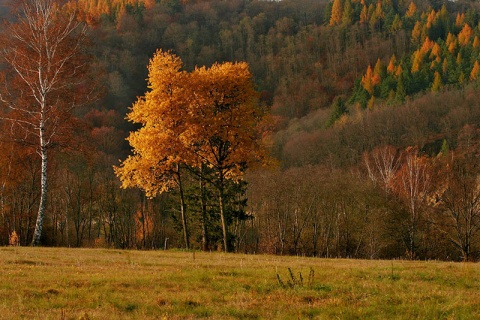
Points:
[(208, 118)]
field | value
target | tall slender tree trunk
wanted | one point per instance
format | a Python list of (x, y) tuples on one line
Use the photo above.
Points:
[(37, 234), (204, 212), (223, 220), (183, 210), (221, 190)]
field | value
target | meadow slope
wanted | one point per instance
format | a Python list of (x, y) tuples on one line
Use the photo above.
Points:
[(60, 283)]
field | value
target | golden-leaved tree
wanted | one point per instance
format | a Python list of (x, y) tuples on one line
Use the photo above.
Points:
[(208, 118)]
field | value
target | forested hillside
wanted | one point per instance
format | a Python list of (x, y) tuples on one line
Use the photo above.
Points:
[(374, 131)]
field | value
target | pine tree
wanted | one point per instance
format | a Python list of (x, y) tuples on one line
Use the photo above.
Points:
[(339, 109)]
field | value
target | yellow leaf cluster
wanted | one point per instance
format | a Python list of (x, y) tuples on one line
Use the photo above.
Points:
[(206, 117)]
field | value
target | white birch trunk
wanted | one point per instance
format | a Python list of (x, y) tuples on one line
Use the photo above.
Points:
[(37, 234)]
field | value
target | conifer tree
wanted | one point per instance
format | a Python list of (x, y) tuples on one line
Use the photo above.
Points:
[(475, 71), (412, 9), (437, 82), (347, 17), (391, 65), (337, 13)]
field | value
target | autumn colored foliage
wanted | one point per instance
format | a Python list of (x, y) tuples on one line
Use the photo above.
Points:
[(206, 118), (359, 91)]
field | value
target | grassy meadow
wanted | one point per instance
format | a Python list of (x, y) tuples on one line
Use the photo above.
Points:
[(60, 283)]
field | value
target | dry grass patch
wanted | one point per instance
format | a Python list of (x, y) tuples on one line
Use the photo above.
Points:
[(56, 283)]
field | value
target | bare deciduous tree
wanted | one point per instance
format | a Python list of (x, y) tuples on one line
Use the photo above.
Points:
[(44, 78)]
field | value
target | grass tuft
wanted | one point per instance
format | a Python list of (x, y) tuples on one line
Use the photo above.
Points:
[(294, 281)]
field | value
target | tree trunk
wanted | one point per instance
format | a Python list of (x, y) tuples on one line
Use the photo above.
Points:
[(183, 211), (204, 213), (222, 218), (37, 234)]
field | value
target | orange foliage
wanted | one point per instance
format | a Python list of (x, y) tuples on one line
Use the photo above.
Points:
[(436, 52), (460, 20), (337, 13), (206, 117), (451, 43), (391, 65), (431, 18), (476, 42), (367, 80), (465, 35), (427, 45), (91, 10), (364, 14), (475, 71), (376, 72), (412, 8), (416, 32), (399, 71), (417, 60)]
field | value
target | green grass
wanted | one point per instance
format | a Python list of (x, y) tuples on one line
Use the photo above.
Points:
[(59, 283)]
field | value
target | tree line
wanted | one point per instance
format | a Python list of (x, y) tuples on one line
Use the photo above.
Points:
[(373, 129)]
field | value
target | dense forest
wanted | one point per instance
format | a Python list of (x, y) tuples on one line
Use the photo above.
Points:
[(374, 133)]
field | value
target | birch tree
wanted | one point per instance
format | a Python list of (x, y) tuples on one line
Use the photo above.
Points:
[(44, 77), (412, 182)]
